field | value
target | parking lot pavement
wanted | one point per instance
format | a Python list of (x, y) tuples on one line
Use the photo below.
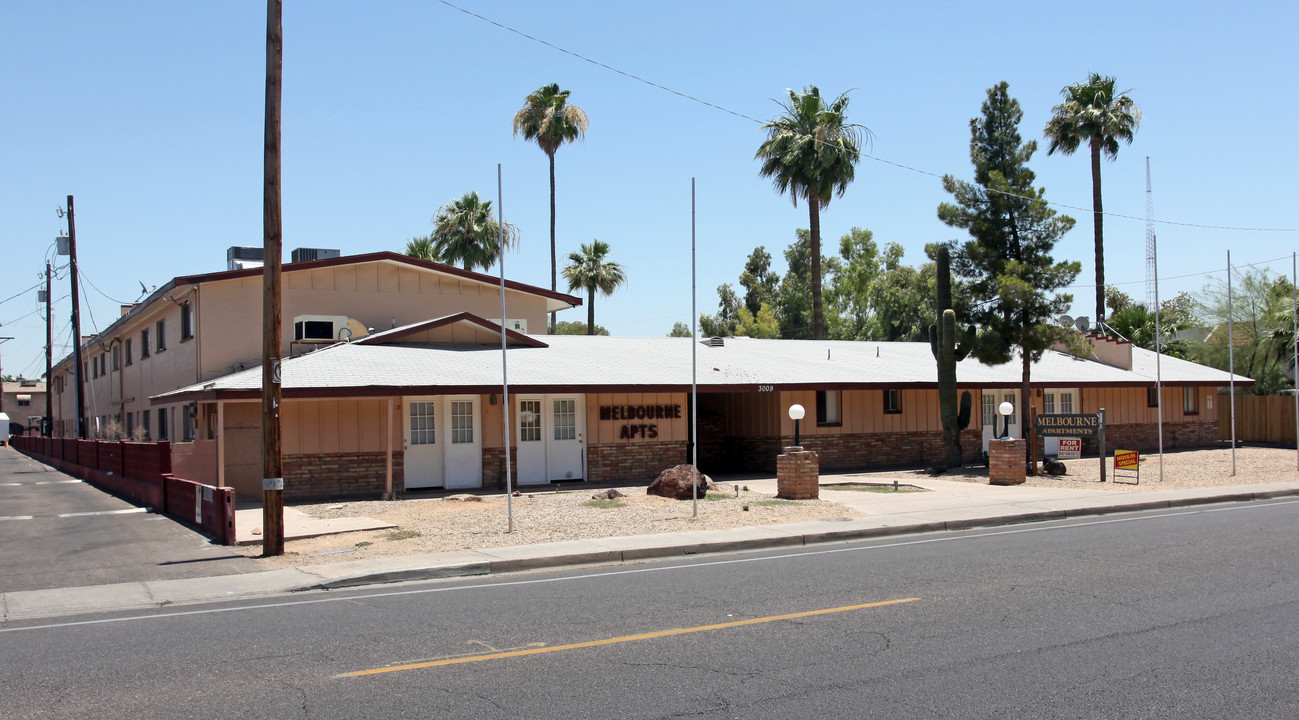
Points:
[(56, 531)]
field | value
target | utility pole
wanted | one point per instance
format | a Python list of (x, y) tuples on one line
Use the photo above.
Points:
[(77, 376), (272, 238), (47, 424)]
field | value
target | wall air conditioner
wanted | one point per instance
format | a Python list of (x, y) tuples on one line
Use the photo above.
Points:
[(318, 328)]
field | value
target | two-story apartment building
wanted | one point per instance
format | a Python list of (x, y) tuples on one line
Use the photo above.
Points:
[(196, 328), (23, 400)]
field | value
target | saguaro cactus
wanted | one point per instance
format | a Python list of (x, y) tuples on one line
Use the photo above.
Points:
[(948, 351)]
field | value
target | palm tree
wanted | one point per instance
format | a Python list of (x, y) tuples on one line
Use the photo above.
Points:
[(421, 247), (1092, 112), (464, 232), (591, 270), (548, 119), (810, 152)]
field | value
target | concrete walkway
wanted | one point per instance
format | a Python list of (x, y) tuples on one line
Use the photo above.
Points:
[(951, 505), (299, 525)]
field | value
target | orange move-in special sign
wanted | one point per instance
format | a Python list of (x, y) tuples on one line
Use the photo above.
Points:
[(1125, 460), (1070, 448)]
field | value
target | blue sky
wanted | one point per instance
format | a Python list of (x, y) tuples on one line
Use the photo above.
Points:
[(150, 113)]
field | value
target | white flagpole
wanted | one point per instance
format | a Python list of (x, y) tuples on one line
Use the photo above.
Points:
[(1154, 274), (694, 348), (505, 378), (1231, 366), (1159, 377)]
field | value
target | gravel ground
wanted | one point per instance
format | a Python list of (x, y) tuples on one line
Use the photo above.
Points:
[(441, 524), (1183, 469)]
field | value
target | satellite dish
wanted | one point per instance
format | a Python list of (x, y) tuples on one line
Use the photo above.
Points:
[(1083, 323), (1064, 320)]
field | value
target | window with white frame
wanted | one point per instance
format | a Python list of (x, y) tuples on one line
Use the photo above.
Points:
[(423, 427)]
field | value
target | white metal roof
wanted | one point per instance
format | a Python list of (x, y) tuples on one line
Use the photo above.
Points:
[(660, 363)]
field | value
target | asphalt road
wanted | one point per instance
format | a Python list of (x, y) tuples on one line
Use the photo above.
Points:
[(1170, 614), (56, 531)]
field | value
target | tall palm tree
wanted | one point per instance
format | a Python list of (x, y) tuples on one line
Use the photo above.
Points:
[(548, 119), (1093, 113), (810, 152), (465, 233), (591, 270)]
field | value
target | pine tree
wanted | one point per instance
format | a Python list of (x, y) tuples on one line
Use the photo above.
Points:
[(1013, 280)]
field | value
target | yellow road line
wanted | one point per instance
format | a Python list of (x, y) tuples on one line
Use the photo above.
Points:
[(623, 639)]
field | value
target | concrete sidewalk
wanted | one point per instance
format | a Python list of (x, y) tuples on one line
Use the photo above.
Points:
[(950, 505)]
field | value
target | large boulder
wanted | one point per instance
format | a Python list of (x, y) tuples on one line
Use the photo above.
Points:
[(675, 483)]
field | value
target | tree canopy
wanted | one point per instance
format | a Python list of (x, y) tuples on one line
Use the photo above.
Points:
[(811, 152), (593, 271), (1013, 280), (1094, 114)]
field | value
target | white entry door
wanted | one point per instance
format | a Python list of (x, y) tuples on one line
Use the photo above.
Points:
[(423, 461), (564, 440), (530, 440), (993, 421), (464, 442)]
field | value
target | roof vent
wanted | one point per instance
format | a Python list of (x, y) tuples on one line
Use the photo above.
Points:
[(714, 342), (240, 258), (308, 254)]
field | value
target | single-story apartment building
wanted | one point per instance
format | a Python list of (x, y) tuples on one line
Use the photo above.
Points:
[(424, 405)]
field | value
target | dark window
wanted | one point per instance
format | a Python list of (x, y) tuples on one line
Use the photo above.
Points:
[(186, 321), (117, 358), (893, 401), (129, 359), (1152, 397), (187, 422), (144, 423), (24, 403), (162, 423), (828, 407), (144, 343), (161, 328), (1190, 401)]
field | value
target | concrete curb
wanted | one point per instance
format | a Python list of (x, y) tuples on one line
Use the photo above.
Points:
[(37, 604)]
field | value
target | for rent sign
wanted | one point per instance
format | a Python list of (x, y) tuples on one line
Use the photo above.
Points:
[(1070, 448), (1084, 425)]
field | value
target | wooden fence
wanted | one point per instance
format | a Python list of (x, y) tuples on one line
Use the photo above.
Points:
[(1259, 418)]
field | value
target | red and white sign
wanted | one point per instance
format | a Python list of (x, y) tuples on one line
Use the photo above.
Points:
[(1070, 448), (1126, 460)]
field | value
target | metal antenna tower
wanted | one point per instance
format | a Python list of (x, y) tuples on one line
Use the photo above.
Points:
[(1151, 297)]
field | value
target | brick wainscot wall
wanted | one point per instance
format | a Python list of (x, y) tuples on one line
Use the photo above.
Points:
[(1145, 437), (853, 452), (339, 475), (632, 462)]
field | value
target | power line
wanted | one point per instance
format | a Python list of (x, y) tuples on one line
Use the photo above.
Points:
[(24, 292), (876, 158), (101, 292)]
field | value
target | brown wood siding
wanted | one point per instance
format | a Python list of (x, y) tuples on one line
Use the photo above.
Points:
[(862, 411), (311, 427), (608, 432)]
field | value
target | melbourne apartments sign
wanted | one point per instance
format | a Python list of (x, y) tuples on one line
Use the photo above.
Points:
[(1084, 425)]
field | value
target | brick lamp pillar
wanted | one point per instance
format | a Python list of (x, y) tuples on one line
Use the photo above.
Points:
[(798, 474), (1006, 461), (798, 471)]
